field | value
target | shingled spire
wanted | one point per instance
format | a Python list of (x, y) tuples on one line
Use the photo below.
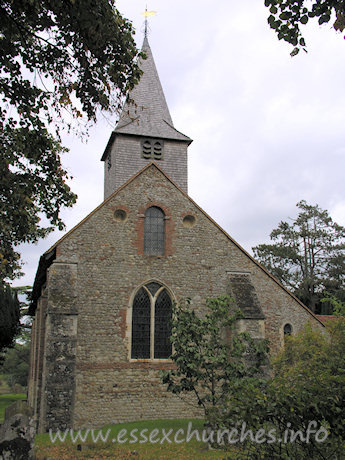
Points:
[(146, 111), (145, 132)]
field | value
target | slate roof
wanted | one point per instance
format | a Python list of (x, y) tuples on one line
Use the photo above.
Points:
[(324, 318), (146, 111)]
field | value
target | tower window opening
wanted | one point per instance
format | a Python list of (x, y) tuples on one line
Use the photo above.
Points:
[(152, 149), (157, 150), (146, 150)]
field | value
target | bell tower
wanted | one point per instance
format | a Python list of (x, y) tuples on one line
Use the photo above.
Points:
[(145, 133)]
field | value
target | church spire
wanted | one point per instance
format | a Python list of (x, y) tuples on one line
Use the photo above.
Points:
[(146, 112), (145, 133)]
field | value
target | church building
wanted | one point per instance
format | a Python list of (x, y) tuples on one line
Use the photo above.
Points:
[(103, 293)]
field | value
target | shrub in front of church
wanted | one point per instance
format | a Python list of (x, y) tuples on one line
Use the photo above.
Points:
[(300, 409), (212, 359)]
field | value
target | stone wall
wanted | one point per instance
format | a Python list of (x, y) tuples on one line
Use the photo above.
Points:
[(98, 268), (56, 407)]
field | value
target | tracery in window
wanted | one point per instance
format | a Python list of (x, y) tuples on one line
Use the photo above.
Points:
[(151, 323), (154, 232)]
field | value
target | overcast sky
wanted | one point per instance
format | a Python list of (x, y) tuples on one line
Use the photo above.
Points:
[(268, 129)]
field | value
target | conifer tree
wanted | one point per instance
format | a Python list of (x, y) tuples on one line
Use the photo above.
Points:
[(307, 255)]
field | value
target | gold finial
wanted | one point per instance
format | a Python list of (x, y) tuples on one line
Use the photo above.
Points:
[(147, 14)]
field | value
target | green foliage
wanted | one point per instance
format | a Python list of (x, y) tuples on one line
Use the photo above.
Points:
[(9, 316), (6, 400), (16, 365), (338, 306), (211, 358), (60, 61), (286, 18), (14, 322), (307, 256), (24, 297), (306, 391)]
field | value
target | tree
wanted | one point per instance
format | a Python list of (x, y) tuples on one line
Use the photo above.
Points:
[(307, 256), (61, 60), (338, 306), (9, 317), (211, 359), (16, 365), (286, 18), (300, 408), (14, 321)]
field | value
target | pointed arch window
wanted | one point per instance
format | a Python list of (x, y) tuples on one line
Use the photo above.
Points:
[(151, 323), (154, 232), (287, 331)]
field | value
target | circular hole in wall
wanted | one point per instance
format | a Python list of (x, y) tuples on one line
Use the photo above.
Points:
[(189, 221), (120, 215)]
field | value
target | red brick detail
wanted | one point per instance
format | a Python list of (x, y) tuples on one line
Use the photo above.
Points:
[(129, 365), (169, 229), (122, 323)]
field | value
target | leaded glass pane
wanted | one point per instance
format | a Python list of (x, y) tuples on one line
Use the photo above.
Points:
[(141, 322), (154, 234), (162, 344)]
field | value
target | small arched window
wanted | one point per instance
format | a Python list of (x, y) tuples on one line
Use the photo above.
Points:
[(151, 323), (154, 232), (287, 329)]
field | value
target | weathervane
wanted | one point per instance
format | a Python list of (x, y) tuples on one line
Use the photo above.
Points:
[(147, 14)]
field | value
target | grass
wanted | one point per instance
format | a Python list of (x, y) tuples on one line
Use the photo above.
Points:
[(135, 446), (6, 400)]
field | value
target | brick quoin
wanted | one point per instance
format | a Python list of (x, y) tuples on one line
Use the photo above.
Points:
[(122, 322)]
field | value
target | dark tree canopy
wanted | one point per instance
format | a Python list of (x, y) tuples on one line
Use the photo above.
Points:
[(287, 17), (16, 365), (9, 317), (60, 60), (307, 255)]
